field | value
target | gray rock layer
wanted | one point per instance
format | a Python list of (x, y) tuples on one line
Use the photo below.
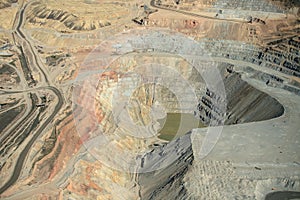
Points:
[(167, 181)]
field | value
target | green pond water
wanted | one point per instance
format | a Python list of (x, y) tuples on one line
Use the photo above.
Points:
[(177, 124)]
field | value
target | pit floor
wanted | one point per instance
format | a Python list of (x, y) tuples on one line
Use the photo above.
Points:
[(177, 124)]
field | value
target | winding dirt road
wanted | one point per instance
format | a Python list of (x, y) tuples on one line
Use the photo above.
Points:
[(33, 62)]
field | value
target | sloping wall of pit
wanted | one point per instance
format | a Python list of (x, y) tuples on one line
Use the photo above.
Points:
[(244, 104), (164, 168)]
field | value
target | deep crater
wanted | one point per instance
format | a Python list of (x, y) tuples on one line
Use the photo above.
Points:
[(244, 103), (219, 96)]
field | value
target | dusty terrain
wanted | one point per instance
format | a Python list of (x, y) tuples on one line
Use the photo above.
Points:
[(160, 99)]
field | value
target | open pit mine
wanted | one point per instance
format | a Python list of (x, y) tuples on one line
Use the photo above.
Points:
[(150, 99)]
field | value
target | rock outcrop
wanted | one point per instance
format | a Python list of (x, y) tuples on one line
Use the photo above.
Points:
[(162, 170)]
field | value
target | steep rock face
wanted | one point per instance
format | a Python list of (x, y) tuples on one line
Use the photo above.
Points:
[(167, 181), (243, 102)]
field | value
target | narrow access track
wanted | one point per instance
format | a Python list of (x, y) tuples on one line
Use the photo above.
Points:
[(20, 36)]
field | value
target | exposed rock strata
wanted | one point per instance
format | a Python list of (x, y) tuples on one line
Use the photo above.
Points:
[(167, 182)]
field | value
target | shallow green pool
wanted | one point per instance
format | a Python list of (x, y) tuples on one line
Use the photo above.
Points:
[(177, 124)]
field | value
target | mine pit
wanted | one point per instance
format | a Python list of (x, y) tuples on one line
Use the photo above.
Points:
[(150, 100), (177, 124)]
